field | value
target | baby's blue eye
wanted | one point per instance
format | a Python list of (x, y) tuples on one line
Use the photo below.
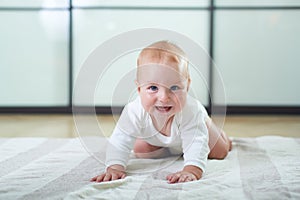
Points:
[(174, 87), (153, 88)]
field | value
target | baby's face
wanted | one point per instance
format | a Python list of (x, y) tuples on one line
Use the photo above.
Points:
[(162, 86)]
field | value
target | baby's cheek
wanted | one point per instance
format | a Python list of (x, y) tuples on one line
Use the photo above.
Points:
[(148, 106), (181, 99)]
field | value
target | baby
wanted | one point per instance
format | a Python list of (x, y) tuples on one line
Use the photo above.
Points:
[(164, 120)]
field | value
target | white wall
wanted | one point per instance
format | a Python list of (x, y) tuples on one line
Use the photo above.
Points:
[(34, 58), (92, 28), (255, 50)]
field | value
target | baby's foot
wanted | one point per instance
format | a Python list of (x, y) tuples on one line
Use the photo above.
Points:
[(230, 144), (227, 140)]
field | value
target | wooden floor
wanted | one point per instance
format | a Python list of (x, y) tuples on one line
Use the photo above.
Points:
[(64, 126)]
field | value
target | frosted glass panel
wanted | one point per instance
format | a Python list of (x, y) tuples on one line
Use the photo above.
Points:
[(258, 56), (92, 27), (35, 3), (34, 58), (257, 2), (146, 3)]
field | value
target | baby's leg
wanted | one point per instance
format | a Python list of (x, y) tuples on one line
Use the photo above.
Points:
[(143, 149), (219, 143)]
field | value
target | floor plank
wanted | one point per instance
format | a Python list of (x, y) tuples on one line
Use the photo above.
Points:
[(13, 125)]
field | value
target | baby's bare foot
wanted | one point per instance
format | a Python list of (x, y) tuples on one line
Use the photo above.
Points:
[(230, 145)]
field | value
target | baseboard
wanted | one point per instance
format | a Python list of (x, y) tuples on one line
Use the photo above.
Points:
[(230, 110)]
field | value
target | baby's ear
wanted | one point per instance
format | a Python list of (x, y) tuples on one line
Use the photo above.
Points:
[(188, 84), (137, 85)]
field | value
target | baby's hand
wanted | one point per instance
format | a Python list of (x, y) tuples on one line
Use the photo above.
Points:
[(112, 173), (189, 173), (180, 177)]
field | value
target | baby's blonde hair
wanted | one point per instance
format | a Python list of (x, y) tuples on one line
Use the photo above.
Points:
[(166, 49)]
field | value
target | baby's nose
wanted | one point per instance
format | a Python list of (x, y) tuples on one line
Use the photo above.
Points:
[(164, 95)]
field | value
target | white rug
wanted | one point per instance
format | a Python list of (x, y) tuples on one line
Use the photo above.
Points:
[(42, 168)]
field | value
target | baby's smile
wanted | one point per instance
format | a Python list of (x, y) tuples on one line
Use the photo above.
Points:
[(163, 109)]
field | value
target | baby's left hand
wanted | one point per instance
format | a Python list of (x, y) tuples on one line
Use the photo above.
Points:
[(181, 176), (189, 173)]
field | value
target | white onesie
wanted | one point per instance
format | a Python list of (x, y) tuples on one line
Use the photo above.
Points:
[(189, 134)]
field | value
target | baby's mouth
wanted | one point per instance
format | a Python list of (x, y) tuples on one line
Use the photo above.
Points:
[(163, 108)]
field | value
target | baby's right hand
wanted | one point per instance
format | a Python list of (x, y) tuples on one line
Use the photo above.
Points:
[(112, 173)]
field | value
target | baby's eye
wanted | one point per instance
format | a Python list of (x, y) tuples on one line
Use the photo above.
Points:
[(174, 88), (153, 88)]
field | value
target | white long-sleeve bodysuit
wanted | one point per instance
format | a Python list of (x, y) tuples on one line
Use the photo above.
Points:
[(189, 134)]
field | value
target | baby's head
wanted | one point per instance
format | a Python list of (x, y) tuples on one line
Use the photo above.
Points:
[(163, 78), (165, 53)]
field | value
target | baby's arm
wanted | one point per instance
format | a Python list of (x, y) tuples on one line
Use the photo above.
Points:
[(112, 173), (189, 173), (194, 137)]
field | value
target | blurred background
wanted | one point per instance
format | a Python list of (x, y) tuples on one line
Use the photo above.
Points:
[(255, 45)]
